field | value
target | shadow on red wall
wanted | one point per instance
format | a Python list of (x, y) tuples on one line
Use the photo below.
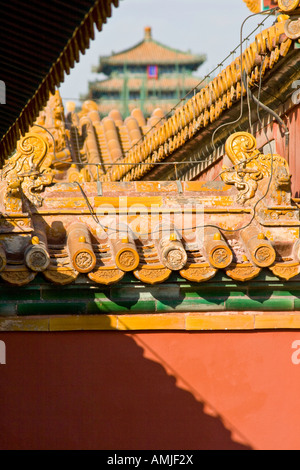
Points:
[(95, 390)]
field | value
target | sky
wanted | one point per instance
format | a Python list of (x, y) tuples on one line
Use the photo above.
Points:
[(200, 26)]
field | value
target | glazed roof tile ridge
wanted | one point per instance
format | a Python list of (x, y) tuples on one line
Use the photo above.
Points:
[(78, 43), (205, 107)]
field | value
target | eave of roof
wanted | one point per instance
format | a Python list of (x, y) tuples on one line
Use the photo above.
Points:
[(135, 83), (36, 55)]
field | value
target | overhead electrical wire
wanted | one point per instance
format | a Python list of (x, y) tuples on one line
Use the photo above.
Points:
[(141, 235), (257, 102), (270, 12)]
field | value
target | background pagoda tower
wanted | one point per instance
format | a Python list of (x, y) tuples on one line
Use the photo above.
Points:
[(149, 75)]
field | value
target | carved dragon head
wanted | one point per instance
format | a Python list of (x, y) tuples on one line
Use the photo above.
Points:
[(252, 170), (27, 171)]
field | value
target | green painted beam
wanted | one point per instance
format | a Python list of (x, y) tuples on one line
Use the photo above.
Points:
[(266, 293)]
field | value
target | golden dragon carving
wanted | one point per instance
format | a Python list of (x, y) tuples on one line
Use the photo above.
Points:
[(27, 172), (250, 167)]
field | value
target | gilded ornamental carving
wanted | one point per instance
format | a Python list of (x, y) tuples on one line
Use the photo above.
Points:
[(252, 170), (27, 172)]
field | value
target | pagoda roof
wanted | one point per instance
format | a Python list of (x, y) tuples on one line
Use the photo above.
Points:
[(150, 51)]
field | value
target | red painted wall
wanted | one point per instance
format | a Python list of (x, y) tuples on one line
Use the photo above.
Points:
[(150, 391)]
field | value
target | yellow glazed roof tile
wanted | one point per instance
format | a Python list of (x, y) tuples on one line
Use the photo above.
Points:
[(253, 5)]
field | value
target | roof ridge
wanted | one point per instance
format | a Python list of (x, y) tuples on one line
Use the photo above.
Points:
[(114, 54), (175, 50)]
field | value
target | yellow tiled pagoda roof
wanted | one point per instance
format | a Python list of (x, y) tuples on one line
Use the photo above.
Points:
[(150, 51)]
